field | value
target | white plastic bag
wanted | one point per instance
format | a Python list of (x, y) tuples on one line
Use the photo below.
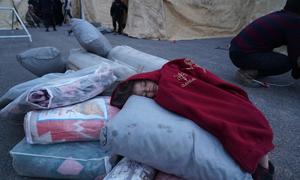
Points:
[(59, 92)]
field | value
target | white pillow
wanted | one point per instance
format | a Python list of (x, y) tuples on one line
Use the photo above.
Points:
[(140, 61), (145, 132), (90, 38), (59, 92), (42, 60), (79, 59)]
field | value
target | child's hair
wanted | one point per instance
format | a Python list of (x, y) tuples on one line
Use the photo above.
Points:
[(293, 6), (124, 91)]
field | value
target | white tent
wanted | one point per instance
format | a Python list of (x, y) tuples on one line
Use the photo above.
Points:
[(6, 16), (178, 19), (174, 19)]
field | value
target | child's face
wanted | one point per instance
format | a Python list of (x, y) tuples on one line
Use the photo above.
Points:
[(145, 88)]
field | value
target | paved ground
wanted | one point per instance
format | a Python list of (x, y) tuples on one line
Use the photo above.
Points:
[(280, 104)]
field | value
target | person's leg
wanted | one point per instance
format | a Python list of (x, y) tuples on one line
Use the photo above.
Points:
[(265, 169), (46, 22), (114, 24), (65, 16), (53, 22), (266, 63), (264, 161), (69, 13), (120, 25)]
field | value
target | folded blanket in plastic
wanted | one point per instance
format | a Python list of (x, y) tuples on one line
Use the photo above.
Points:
[(59, 92), (79, 122), (84, 160)]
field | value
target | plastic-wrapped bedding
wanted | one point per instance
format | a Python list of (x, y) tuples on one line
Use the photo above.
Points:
[(59, 92), (79, 122), (127, 169), (84, 160), (19, 89)]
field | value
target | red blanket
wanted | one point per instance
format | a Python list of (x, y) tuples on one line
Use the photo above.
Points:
[(221, 108)]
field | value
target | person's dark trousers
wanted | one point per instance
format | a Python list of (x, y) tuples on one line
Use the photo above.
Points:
[(49, 19), (267, 63), (118, 21), (58, 13)]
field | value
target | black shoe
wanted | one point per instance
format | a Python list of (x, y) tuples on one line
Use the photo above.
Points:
[(47, 30), (70, 32), (262, 173)]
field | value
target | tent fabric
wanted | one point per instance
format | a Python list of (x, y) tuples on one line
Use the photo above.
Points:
[(6, 15), (146, 19), (98, 11), (193, 19), (169, 19)]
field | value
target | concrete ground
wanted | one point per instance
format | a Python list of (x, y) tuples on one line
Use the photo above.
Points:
[(281, 105)]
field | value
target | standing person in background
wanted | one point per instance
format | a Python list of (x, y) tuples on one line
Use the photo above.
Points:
[(58, 12), (67, 10), (47, 10), (117, 11), (252, 49)]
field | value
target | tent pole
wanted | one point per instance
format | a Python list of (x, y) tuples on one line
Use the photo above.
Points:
[(12, 19)]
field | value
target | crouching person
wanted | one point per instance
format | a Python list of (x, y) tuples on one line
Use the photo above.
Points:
[(252, 49)]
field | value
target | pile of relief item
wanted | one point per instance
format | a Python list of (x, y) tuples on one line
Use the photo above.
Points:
[(72, 132)]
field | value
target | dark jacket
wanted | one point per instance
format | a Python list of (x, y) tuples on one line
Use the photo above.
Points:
[(46, 6), (118, 9)]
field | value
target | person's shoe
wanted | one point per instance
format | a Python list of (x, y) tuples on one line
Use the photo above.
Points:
[(262, 173), (70, 32), (47, 30), (54, 29), (247, 77)]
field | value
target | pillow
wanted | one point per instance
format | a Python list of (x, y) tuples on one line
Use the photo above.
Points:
[(42, 60), (140, 61), (90, 38), (79, 122), (18, 89), (84, 160), (79, 59), (145, 132)]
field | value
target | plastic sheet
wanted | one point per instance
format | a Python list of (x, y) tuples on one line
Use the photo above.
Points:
[(84, 160)]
